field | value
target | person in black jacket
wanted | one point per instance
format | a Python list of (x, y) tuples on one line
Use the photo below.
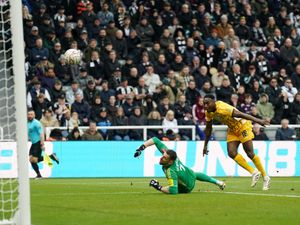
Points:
[(82, 108)]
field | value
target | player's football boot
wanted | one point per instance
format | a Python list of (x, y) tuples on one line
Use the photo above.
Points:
[(54, 158), (38, 177), (266, 183), (255, 177)]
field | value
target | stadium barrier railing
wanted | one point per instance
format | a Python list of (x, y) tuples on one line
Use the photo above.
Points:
[(219, 131)]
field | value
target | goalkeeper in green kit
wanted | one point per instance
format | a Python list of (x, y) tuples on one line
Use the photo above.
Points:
[(181, 179)]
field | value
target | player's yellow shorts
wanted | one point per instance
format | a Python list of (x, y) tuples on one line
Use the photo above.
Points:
[(243, 136)]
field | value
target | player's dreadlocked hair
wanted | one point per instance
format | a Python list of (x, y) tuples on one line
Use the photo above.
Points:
[(210, 96), (172, 154)]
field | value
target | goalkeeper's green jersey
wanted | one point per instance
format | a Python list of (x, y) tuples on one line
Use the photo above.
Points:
[(181, 179)]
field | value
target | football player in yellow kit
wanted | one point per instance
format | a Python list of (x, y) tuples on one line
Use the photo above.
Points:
[(239, 131)]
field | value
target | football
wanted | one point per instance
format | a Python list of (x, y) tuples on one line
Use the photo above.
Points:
[(72, 56)]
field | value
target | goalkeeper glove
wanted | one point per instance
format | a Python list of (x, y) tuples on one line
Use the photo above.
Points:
[(138, 152), (155, 184)]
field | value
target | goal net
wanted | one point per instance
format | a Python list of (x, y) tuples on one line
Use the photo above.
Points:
[(14, 183)]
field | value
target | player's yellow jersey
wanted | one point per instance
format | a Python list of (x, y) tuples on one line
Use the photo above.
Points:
[(223, 114)]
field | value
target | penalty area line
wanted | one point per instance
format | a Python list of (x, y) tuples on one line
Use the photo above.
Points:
[(253, 194)]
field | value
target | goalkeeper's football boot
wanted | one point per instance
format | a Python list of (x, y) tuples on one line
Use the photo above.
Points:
[(54, 158), (266, 183), (255, 177)]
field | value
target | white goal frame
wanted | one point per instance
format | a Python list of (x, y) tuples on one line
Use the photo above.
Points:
[(23, 214)]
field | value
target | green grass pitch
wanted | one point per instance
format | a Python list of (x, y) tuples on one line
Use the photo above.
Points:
[(130, 201)]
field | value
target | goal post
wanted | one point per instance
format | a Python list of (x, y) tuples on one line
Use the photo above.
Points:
[(14, 89)]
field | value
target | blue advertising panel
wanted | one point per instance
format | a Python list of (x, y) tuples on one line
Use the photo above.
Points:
[(115, 159)]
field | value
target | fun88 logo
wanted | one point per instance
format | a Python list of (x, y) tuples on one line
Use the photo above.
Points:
[(8, 160)]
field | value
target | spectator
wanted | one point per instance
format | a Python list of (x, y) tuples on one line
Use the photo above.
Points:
[(140, 91), (170, 122), (184, 77), (38, 52), (201, 76), (234, 98), (120, 120), (48, 120), (217, 78), (225, 91), (74, 135), (236, 78), (40, 105), (124, 90), (192, 93), (152, 80), (259, 134), (31, 38), (128, 105), (289, 55), (228, 39), (296, 77), (105, 15), (265, 108), (161, 67), (251, 77), (82, 108), (186, 134), (190, 51), (272, 54), (95, 108), (111, 106), (83, 78), (137, 119), (145, 32), (243, 31), (57, 90), (61, 107), (92, 134), (90, 92), (120, 44), (164, 106), (106, 92), (35, 91), (257, 34), (295, 109), (95, 67), (103, 121), (247, 106), (72, 92), (111, 64), (223, 27), (285, 133), (254, 112), (289, 90), (70, 120), (177, 64), (154, 119), (181, 107), (198, 112)]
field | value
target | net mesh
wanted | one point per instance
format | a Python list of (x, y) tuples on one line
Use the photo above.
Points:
[(8, 185)]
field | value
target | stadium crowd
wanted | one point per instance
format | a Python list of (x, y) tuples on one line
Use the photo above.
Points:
[(152, 62)]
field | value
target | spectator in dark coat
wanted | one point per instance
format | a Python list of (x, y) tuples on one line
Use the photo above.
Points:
[(82, 108), (38, 52), (137, 119), (192, 93), (285, 133)]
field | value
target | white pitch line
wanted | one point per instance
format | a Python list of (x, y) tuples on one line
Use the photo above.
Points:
[(252, 194), (135, 192)]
